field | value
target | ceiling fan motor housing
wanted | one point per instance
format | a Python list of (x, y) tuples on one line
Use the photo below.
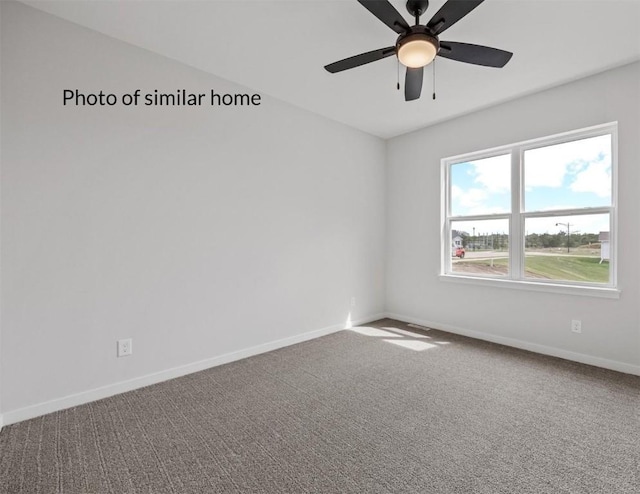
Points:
[(417, 7), (418, 35)]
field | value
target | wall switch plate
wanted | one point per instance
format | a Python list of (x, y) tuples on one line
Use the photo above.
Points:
[(353, 301), (125, 347), (576, 326)]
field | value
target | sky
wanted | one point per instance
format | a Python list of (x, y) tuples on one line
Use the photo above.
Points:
[(570, 175)]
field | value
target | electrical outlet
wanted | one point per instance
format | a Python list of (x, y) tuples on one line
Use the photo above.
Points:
[(576, 326), (353, 301), (125, 347)]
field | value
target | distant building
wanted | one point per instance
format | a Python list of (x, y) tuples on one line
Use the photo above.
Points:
[(456, 239), (605, 249)]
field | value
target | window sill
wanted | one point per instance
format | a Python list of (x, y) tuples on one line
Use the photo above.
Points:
[(588, 291)]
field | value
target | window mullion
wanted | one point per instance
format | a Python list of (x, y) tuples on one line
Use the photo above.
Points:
[(516, 254), (445, 208), (568, 212)]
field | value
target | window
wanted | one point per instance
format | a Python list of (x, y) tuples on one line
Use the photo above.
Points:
[(539, 212)]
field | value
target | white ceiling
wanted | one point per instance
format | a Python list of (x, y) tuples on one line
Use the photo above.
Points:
[(279, 48)]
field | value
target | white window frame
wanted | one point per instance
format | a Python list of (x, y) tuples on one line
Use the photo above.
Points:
[(517, 217)]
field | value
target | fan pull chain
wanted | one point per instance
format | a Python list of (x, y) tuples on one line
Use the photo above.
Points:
[(398, 84), (434, 79)]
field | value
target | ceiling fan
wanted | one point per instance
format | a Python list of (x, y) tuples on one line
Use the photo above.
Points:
[(418, 45)]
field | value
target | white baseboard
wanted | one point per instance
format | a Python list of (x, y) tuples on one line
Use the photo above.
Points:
[(13, 416), (524, 345)]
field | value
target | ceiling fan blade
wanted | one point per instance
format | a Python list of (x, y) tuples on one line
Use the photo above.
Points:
[(475, 54), (413, 83), (450, 13), (387, 13), (363, 58)]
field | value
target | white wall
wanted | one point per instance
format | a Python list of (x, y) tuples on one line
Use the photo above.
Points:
[(197, 232), (541, 321)]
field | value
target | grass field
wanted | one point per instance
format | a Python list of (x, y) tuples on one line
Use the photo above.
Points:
[(564, 267), (573, 268)]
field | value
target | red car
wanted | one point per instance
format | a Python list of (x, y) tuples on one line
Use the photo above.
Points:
[(458, 252)]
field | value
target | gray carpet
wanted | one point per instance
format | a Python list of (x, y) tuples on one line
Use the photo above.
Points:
[(349, 412)]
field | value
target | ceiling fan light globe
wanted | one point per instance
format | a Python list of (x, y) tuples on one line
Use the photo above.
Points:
[(417, 52)]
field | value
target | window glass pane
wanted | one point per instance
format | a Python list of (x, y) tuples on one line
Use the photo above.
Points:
[(481, 186), (570, 248), (480, 247), (571, 175)]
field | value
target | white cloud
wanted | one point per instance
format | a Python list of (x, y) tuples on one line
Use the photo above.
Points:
[(473, 201), (547, 166), (543, 172), (595, 177), (456, 192), (490, 177), (473, 198), (494, 174)]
